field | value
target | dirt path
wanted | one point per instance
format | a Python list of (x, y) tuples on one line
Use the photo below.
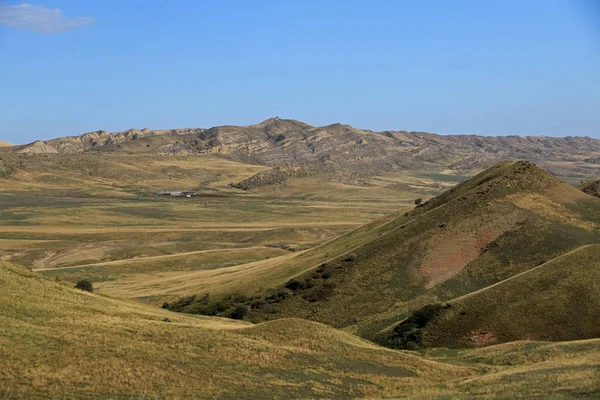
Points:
[(140, 259), (522, 273)]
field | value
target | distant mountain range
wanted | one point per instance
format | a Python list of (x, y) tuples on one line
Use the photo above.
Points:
[(282, 142)]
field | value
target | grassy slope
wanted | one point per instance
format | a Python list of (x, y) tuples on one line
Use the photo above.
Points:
[(504, 221), (57, 342), (535, 369), (78, 209), (558, 300)]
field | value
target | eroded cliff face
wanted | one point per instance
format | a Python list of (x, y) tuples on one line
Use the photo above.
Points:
[(282, 142), (99, 140)]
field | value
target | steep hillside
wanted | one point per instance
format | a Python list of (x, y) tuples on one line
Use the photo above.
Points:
[(282, 142), (502, 222), (592, 188), (558, 300)]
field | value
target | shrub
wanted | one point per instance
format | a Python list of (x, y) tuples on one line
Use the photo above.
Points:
[(418, 201), (422, 316), (294, 284), (277, 296), (86, 285), (409, 334), (241, 310)]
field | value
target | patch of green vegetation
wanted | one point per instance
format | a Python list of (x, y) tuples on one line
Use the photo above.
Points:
[(408, 335), (233, 306), (12, 218), (442, 177)]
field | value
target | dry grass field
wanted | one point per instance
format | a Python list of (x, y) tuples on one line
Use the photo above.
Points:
[(58, 342), (95, 216)]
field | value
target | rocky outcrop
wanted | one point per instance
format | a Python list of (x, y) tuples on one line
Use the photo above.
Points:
[(99, 140), (281, 142)]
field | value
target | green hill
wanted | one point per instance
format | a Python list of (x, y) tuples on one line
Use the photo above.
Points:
[(504, 221), (558, 300), (59, 342)]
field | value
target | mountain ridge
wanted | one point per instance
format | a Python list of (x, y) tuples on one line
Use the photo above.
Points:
[(279, 142)]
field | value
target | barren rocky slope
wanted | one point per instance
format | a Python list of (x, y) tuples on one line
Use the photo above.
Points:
[(282, 142)]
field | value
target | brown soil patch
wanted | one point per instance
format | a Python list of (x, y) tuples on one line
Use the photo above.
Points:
[(480, 338), (450, 250)]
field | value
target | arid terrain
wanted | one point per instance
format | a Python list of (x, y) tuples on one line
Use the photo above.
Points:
[(327, 262)]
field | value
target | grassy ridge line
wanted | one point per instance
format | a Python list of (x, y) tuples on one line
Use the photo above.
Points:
[(142, 259), (458, 299)]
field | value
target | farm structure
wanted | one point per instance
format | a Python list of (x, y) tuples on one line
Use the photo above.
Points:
[(176, 193)]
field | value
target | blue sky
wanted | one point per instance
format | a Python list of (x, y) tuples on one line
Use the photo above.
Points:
[(475, 67)]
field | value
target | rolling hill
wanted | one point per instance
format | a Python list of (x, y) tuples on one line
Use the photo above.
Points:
[(500, 223), (59, 342), (558, 300), (293, 144), (5, 144)]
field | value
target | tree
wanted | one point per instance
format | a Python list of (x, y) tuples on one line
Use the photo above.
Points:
[(85, 285)]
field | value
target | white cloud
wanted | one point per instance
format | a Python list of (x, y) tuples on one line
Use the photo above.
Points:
[(40, 19)]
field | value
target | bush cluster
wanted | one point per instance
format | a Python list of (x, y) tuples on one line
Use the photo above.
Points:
[(409, 334), (86, 285), (232, 306)]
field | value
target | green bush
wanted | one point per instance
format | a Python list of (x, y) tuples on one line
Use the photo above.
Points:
[(408, 335), (86, 285), (233, 306), (241, 310)]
